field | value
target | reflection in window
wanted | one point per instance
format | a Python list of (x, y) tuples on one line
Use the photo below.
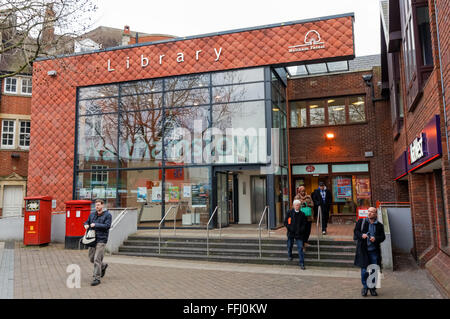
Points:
[(98, 106), (316, 113), (187, 82), (140, 138), (298, 114), (356, 109), (233, 93), (191, 97), (336, 111), (98, 91), (141, 87), (97, 140), (237, 77), (141, 102)]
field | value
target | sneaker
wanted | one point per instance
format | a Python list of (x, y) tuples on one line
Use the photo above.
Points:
[(364, 292), (373, 292), (104, 270), (95, 282), (324, 232)]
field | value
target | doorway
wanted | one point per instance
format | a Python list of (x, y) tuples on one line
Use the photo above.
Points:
[(12, 201), (240, 195)]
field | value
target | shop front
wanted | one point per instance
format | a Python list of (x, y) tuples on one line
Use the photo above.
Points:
[(349, 184)]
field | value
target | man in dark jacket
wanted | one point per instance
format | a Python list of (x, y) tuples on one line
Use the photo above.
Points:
[(100, 221), (322, 198), (295, 223), (369, 234)]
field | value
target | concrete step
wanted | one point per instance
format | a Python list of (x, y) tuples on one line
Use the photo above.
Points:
[(232, 251), (240, 245), (247, 259)]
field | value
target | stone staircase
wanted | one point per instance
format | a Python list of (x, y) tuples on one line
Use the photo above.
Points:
[(333, 253)]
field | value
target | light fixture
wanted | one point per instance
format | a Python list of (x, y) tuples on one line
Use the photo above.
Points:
[(331, 101), (313, 106), (51, 73), (275, 108), (358, 103), (329, 136), (338, 109)]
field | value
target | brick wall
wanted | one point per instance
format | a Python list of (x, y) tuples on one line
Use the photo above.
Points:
[(14, 104), (308, 145)]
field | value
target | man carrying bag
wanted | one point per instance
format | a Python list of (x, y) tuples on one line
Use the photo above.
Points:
[(100, 221)]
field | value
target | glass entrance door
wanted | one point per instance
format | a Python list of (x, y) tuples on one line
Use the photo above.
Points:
[(223, 199)]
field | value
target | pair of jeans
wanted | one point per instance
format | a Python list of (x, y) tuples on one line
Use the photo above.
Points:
[(373, 256), (299, 242), (96, 255)]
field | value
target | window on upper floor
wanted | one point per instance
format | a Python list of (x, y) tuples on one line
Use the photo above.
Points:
[(11, 85), (17, 85), (417, 48), (329, 111), (8, 130), (26, 86), (24, 134)]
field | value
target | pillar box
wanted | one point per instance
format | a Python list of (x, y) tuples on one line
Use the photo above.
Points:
[(37, 220), (77, 212)]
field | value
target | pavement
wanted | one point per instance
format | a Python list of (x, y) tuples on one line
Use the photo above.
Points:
[(51, 272)]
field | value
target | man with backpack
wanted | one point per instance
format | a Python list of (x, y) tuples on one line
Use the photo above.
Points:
[(369, 234)]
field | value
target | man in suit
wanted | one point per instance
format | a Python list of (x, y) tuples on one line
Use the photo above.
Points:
[(322, 198)]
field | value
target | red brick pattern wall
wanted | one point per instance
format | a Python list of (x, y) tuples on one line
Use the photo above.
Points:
[(308, 145), (54, 98)]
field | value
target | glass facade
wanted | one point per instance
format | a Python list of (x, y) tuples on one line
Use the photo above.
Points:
[(156, 141)]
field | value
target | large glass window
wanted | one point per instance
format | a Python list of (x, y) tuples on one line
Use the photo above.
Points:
[(316, 113), (154, 141), (336, 111)]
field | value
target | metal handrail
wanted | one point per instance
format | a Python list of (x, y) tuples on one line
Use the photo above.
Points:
[(118, 218), (319, 220), (259, 228), (159, 227), (207, 230)]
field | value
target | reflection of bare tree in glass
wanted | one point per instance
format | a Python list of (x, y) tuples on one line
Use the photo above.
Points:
[(356, 112)]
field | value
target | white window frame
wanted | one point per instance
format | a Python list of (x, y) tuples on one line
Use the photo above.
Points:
[(6, 83), (13, 132), (26, 86), (20, 134), (100, 169)]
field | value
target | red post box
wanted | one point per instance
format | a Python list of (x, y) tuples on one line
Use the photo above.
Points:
[(77, 212), (38, 220)]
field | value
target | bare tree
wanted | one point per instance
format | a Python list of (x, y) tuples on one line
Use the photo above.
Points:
[(34, 28)]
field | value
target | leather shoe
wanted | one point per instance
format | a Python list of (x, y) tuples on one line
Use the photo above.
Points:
[(104, 270), (364, 292), (373, 292), (95, 282)]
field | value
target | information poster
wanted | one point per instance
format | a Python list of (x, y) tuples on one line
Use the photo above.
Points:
[(110, 193), (199, 195), (142, 194), (187, 191), (156, 194), (342, 188), (98, 192), (174, 194), (362, 187)]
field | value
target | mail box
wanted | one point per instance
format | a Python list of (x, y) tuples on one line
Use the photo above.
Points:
[(37, 220), (77, 212)]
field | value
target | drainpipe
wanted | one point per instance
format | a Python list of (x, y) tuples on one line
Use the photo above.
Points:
[(442, 79)]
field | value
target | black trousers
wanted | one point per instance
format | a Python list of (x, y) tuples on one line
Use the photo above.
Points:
[(325, 216)]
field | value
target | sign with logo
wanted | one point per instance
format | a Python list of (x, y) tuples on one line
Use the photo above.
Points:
[(310, 168), (417, 149), (312, 41), (363, 212)]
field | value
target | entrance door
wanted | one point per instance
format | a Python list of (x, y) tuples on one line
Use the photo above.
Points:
[(12, 201), (258, 194), (223, 199)]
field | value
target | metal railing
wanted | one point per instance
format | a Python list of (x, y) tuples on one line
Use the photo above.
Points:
[(118, 218), (207, 228), (259, 228), (162, 220), (319, 233)]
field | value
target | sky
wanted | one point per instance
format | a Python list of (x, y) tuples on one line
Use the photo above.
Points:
[(194, 17)]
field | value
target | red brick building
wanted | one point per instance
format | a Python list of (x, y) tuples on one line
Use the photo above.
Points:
[(352, 163), (415, 49)]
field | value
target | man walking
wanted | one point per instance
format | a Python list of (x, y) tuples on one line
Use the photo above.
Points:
[(322, 198), (369, 234), (100, 221), (295, 223)]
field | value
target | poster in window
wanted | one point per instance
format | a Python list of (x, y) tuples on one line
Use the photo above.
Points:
[(156, 194), (142, 194), (344, 188), (110, 193), (187, 191), (199, 194), (98, 192), (362, 187), (174, 194)]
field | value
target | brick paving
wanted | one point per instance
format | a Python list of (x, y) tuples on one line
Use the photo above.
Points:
[(40, 272)]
